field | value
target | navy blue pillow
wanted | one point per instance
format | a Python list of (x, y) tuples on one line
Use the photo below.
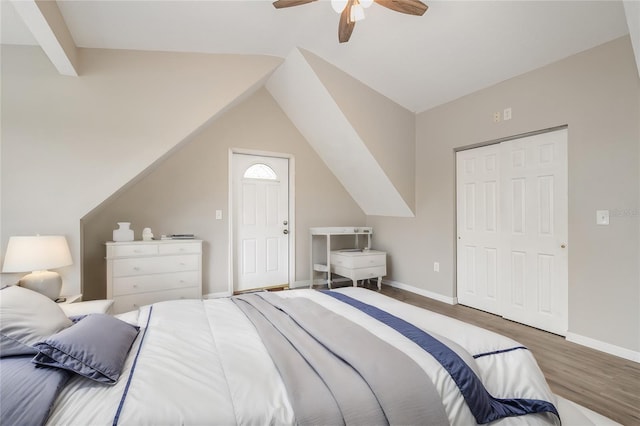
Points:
[(95, 347)]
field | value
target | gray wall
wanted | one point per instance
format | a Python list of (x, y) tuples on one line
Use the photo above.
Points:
[(387, 129), (68, 143), (183, 192), (597, 94)]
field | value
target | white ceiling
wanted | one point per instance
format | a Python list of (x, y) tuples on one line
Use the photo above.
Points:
[(456, 48)]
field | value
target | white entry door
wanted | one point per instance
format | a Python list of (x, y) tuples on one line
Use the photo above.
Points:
[(534, 229), (512, 230), (478, 205), (261, 223)]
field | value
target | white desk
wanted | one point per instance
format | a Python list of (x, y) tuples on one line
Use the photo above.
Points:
[(329, 267)]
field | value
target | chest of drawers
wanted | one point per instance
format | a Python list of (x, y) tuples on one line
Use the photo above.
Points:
[(359, 265), (144, 272)]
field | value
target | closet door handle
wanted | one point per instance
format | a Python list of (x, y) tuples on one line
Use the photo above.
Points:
[(285, 232)]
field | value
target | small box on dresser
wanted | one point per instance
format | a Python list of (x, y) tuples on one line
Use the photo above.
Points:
[(144, 272)]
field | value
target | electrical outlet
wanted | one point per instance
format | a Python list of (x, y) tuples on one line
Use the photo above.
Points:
[(506, 114), (436, 266), (602, 217), (496, 117)]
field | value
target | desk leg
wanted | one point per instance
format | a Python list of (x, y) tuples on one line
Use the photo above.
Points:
[(329, 261), (379, 283), (311, 255)]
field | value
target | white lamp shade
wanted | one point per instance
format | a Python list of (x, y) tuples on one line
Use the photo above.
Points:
[(36, 253)]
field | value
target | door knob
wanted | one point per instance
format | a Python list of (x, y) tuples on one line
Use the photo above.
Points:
[(563, 246), (286, 231), (285, 222)]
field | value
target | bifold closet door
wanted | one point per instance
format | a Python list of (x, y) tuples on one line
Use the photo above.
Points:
[(512, 230)]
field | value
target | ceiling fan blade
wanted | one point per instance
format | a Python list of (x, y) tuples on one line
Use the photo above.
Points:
[(410, 7), (346, 25), (279, 4)]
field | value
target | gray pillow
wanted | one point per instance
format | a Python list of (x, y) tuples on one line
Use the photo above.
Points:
[(27, 393), (25, 318), (95, 347)]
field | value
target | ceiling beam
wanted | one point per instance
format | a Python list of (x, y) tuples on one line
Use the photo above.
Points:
[(44, 20)]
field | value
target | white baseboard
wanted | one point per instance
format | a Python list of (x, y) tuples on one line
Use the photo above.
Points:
[(604, 347), (216, 295), (320, 281), (299, 284), (426, 293)]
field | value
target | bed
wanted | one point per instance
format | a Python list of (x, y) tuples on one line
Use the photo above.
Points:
[(346, 356)]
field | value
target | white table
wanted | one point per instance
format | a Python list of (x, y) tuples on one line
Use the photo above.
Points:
[(328, 232)]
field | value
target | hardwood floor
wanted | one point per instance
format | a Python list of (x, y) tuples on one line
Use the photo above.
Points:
[(603, 383)]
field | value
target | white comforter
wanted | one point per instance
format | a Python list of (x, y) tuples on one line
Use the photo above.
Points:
[(202, 362)]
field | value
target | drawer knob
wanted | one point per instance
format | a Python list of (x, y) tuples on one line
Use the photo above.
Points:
[(136, 268), (135, 286), (182, 263)]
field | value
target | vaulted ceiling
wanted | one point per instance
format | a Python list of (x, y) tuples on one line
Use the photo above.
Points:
[(456, 48)]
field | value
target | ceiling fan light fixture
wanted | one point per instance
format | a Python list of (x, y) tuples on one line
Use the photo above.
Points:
[(339, 5), (357, 12)]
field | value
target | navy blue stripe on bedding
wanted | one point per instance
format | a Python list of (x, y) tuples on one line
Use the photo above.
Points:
[(133, 369), (485, 408), (501, 351)]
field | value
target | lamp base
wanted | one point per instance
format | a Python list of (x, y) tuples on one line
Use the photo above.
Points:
[(48, 283)]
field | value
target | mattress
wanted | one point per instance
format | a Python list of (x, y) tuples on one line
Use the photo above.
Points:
[(204, 362)]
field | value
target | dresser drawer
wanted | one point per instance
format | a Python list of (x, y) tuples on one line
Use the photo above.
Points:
[(129, 250), (145, 283), (358, 259), (360, 273), (155, 265), (179, 248), (132, 302)]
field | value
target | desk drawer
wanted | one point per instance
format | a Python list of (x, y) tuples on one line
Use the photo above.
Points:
[(359, 261), (155, 265), (360, 273), (146, 283)]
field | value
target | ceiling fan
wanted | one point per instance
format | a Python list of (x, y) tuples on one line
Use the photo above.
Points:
[(352, 11)]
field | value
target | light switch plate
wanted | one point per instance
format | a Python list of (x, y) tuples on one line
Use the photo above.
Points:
[(602, 217), (218, 214)]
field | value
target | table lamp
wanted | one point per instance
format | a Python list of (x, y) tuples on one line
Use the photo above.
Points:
[(37, 254)]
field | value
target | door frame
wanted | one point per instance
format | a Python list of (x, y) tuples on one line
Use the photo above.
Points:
[(455, 185), (292, 219)]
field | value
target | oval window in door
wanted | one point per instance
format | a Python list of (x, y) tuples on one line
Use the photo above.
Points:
[(260, 171)]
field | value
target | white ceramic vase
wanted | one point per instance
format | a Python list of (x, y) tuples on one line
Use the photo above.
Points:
[(123, 233)]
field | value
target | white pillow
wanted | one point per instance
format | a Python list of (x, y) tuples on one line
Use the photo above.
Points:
[(27, 317)]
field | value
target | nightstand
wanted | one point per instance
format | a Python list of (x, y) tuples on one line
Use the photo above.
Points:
[(85, 308), (69, 299)]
